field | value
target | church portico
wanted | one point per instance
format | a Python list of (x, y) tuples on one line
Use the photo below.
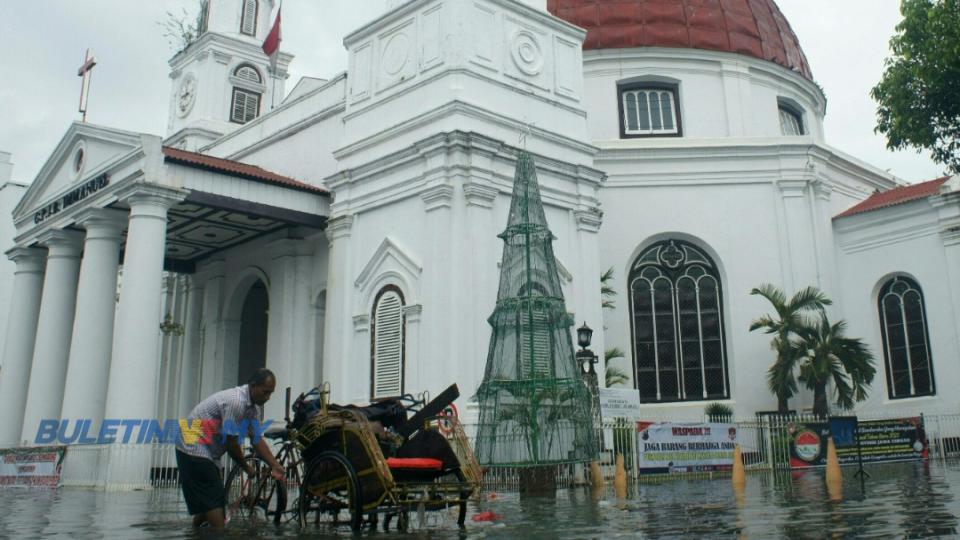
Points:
[(178, 232)]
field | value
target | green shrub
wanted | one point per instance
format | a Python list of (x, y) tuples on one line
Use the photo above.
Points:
[(718, 412)]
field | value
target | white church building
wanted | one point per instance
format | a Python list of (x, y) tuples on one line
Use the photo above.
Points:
[(348, 233)]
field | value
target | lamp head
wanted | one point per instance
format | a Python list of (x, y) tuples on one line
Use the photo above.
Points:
[(584, 336)]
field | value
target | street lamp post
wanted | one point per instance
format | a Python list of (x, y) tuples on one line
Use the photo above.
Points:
[(588, 360)]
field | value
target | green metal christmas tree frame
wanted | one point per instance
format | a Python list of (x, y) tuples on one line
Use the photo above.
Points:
[(534, 405)]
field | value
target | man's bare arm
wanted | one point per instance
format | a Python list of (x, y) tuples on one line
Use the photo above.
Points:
[(233, 448), (263, 450)]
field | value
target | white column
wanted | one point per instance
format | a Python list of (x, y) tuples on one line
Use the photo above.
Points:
[(89, 368), (211, 326), (52, 347), (339, 326), (288, 349), (590, 308), (135, 362), (21, 336), (136, 348), (427, 372), (480, 194), (188, 391)]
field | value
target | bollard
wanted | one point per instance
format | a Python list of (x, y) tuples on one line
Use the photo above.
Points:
[(596, 475), (739, 474), (620, 479), (834, 477)]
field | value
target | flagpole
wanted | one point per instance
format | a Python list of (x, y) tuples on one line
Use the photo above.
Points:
[(272, 48)]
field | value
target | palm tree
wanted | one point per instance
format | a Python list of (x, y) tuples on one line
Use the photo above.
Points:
[(613, 376), (785, 325), (607, 292), (825, 355)]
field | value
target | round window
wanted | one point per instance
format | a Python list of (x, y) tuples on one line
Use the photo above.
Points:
[(78, 157)]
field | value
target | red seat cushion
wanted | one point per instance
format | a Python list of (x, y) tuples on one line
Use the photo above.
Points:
[(415, 463)]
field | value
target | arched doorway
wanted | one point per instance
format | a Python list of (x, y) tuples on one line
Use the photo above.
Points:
[(254, 318)]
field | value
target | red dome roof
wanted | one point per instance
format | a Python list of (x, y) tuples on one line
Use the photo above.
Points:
[(752, 27)]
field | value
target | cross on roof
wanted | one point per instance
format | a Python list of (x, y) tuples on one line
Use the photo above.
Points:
[(85, 71)]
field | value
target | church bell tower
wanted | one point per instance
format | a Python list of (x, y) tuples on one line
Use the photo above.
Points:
[(223, 79)]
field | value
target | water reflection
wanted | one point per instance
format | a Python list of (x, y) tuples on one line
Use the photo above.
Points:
[(909, 500)]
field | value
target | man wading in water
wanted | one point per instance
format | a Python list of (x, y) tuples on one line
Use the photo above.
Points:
[(199, 475)]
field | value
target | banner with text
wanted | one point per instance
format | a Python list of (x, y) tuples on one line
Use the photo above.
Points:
[(672, 447), (38, 467), (895, 439)]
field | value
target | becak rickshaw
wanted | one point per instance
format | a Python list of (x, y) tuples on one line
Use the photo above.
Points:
[(392, 457)]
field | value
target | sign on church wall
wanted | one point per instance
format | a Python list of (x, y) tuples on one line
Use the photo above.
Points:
[(71, 197)]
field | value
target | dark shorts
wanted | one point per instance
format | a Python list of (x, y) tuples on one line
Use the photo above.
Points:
[(202, 486)]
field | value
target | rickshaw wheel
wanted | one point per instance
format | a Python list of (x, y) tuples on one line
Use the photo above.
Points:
[(252, 497), (330, 485)]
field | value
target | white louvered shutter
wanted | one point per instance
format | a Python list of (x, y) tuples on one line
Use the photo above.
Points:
[(248, 24), (388, 346), (246, 105)]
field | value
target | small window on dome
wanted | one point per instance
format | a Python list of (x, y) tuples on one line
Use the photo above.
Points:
[(791, 121), (649, 111)]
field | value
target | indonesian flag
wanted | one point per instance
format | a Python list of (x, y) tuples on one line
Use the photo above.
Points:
[(272, 44)]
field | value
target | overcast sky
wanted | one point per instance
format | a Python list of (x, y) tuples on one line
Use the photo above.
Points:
[(44, 42)]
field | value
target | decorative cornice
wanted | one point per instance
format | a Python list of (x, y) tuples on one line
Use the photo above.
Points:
[(481, 195), (221, 57), (589, 220), (102, 223), (436, 197), (361, 323), (339, 227), (28, 260), (792, 188), (60, 243), (412, 312), (456, 107), (950, 235), (149, 199)]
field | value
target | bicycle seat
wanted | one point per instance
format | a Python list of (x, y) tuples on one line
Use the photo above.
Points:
[(274, 433)]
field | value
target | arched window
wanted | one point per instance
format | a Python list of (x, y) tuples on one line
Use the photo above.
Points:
[(245, 105), (387, 338), (676, 303), (248, 73), (248, 19), (906, 343)]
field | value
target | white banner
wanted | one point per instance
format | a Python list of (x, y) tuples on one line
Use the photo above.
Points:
[(670, 447), (619, 403), (31, 467)]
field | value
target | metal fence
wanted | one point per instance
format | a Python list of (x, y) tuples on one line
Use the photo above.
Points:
[(764, 442)]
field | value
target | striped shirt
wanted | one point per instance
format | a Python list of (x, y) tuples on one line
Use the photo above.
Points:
[(232, 404)]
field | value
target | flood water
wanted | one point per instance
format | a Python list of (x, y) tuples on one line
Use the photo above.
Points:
[(906, 500)]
